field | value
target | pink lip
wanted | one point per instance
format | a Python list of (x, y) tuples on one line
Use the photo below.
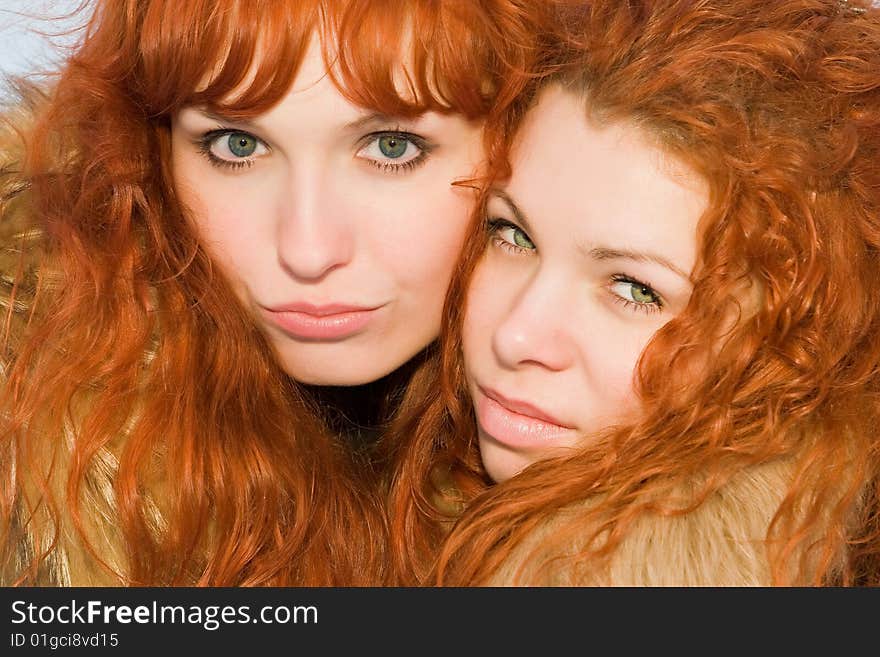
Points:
[(516, 423), (327, 322)]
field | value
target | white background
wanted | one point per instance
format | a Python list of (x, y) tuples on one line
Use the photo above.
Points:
[(23, 49)]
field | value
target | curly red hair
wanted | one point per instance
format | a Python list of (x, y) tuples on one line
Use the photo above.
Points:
[(776, 103), (217, 470)]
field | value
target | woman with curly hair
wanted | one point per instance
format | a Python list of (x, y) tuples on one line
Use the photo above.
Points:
[(212, 227), (667, 359)]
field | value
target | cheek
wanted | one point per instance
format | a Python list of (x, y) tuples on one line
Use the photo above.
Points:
[(483, 313), (231, 244), (198, 197), (423, 238), (230, 241), (226, 215), (194, 183), (611, 359)]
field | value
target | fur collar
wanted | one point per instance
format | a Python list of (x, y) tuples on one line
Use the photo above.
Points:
[(32, 529), (720, 543)]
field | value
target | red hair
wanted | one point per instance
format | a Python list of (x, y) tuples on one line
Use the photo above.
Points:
[(776, 103), (131, 372)]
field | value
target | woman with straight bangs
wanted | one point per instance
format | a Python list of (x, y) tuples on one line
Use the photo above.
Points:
[(668, 358), (220, 216)]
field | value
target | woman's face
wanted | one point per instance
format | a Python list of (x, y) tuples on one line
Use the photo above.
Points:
[(338, 226), (592, 242)]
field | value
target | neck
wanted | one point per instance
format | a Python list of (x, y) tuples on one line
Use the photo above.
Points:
[(359, 414)]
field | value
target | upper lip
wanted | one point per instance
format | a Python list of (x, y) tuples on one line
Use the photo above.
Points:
[(319, 310), (523, 408)]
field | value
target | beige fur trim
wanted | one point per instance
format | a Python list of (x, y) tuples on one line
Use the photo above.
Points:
[(720, 543)]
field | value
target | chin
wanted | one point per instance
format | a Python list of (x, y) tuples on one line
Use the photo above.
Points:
[(500, 462), (338, 370), (354, 377)]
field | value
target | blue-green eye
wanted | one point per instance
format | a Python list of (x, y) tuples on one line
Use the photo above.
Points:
[(394, 151), (392, 146), (242, 144), (231, 148)]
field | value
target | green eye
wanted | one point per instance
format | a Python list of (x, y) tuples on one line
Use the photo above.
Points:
[(635, 295), (241, 144), (642, 294), (510, 236), (392, 146), (521, 240)]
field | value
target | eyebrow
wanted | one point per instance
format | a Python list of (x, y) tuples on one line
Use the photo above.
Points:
[(605, 253), (369, 120), (372, 120), (220, 118), (518, 214), (598, 253)]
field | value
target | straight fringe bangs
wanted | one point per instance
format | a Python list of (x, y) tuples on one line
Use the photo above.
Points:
[(392, 56), (134, 455)]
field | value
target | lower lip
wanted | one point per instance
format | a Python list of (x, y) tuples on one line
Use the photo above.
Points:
[(338, 326), (516, 430)]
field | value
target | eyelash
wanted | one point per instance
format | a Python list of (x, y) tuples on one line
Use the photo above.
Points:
[(207, 140), (390, 166), (494, 226), (653, 307)]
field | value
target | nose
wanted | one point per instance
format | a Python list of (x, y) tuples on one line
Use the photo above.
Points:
[(537, 329), (314, 233)]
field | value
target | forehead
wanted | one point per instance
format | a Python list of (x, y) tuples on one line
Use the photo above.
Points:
[(602, 184)]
